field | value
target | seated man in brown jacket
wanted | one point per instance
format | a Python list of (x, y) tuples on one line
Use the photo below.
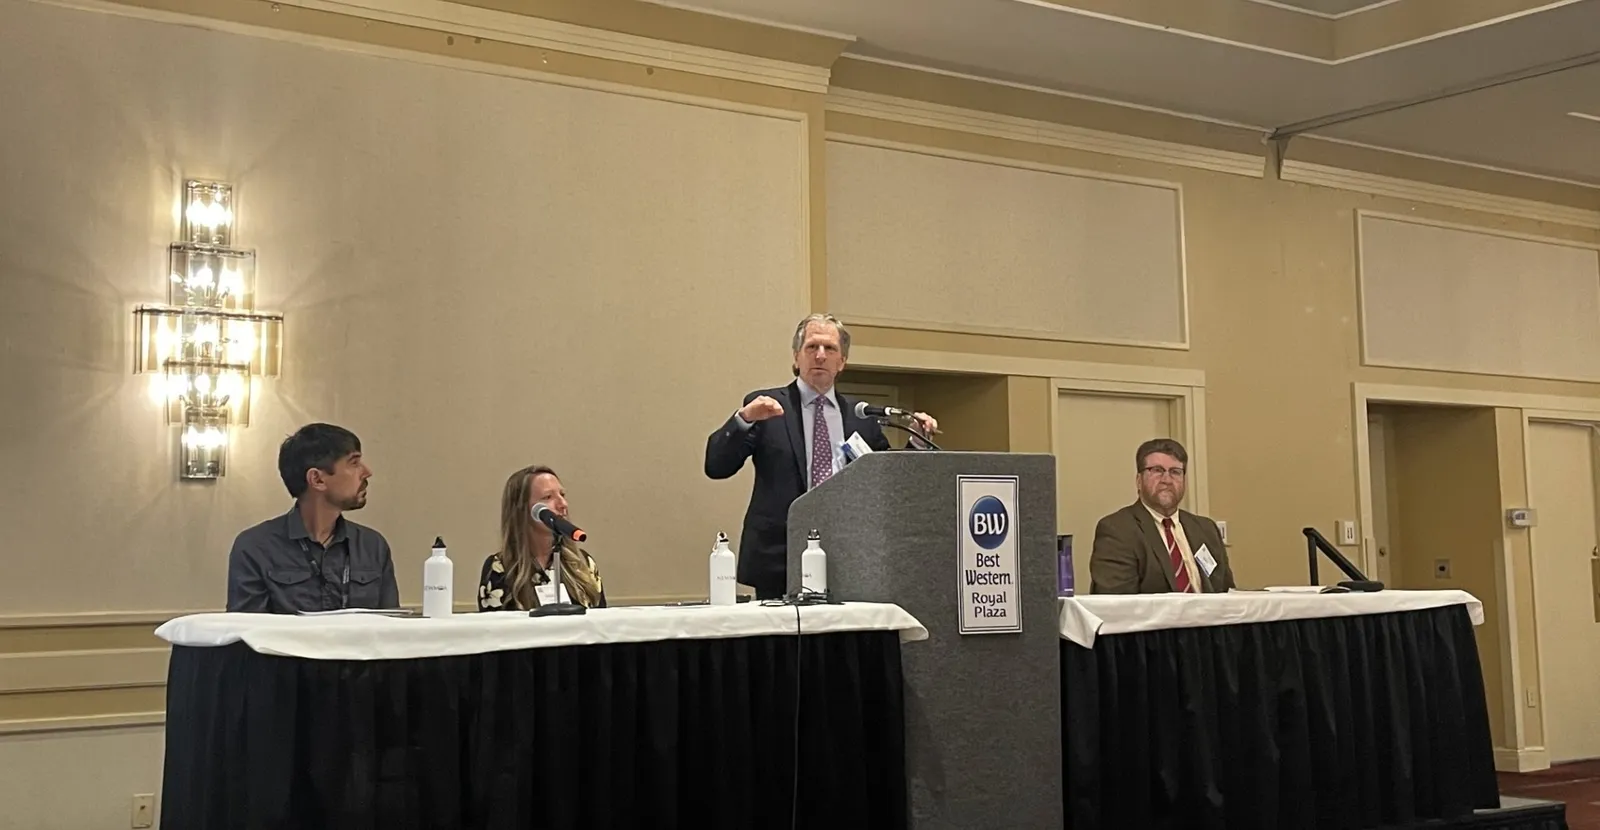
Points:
[(1152, 547)]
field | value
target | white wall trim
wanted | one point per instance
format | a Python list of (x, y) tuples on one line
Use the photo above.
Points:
[(1012, 128), (108, 668), (889, 358), (1378, 185), (74, 723), (469, 21), (1530, 759)]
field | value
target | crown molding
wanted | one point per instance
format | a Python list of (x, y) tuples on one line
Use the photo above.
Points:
[(940, 116), (1378, 185), (472, 21)]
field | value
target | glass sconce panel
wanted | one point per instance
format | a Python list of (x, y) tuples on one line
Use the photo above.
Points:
[(210, 390), (211, 277), (207, 213), (203, 447), (166, 334)]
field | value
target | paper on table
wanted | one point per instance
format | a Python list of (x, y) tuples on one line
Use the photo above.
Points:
[(380, 612), (1295, 589)]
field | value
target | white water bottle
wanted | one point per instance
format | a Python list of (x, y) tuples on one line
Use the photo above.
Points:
[(814, 566), (724, 580), (438, 582)]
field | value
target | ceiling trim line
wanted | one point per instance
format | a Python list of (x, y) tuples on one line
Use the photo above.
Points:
[(471, 21), (1012, 128), (1505, 171), (1325, 15), (1324, 175)]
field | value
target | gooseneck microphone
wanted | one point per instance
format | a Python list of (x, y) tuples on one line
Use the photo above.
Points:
[(557, 523), (865, 410)]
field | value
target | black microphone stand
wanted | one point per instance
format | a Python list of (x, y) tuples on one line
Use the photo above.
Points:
[(556, 608), (915, 433)]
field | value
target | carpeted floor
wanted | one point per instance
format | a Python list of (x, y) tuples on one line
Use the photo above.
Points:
[(1577, 784)]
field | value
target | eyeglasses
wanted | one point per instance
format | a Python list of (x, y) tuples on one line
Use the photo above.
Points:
[(1175, 472)]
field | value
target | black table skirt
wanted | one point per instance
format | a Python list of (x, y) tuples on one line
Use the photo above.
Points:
[(1345, 722), (682, 733)]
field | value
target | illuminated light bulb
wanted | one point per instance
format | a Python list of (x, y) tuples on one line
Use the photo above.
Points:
[(191, 437), (177, 386), (202, 385), (206, 333), (230, 385), (158, 389), (213, 438), (165, 338)]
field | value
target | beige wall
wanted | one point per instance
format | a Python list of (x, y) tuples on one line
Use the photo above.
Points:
[(1270, 280)]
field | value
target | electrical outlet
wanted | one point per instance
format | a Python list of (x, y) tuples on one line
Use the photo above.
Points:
[(1222, 528), (144, 811), (1533, 700), (1347, 532), (1441, 569)]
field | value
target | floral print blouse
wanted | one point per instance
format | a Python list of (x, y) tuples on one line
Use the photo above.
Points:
[(494, 595)]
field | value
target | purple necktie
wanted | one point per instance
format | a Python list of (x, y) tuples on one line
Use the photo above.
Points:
[(821, 446)]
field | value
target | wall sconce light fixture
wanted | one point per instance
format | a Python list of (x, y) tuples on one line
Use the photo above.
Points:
[(205, 344)]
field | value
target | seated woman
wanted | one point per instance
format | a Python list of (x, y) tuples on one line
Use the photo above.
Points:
[(515, 578)]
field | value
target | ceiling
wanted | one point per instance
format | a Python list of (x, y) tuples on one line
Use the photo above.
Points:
[(1197, 66)]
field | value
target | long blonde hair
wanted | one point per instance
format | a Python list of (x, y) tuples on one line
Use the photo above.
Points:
[(517, 548)]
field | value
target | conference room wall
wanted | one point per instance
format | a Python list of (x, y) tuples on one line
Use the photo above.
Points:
[(479, 270), (1274, 309)]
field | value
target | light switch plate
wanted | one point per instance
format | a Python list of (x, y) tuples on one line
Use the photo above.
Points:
[(1347, 532), (1522, 517), (1222, 527)]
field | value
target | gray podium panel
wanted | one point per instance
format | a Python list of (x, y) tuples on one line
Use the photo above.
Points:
[(983, 711)]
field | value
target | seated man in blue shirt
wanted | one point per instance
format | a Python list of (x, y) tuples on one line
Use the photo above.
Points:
[(312, 558)]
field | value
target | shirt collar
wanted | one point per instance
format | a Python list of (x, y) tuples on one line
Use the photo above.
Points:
[(808, 396), (1157, 515), (297, 526)]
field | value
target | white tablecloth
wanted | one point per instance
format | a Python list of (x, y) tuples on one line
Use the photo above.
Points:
[(1086, 617), (370, 637)]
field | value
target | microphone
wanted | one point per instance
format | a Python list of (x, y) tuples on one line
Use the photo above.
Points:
[(558, 524), (866, 410)]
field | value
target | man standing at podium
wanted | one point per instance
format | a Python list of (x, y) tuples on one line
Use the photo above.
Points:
[(1152, 547), (795, 435)]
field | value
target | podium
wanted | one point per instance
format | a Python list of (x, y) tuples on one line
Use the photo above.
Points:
[(964, 542)]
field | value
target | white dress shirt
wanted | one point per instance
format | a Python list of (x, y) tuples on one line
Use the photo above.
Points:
[(1183, 545)]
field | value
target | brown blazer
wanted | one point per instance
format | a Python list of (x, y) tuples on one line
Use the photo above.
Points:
[(1130, 554)]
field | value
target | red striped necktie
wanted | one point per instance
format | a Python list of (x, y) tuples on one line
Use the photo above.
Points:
[(1180, 573)]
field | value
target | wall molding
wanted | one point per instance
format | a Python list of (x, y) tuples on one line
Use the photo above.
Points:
[(1324, 175), (473, 21), (1528, 759), (1012, 128), (889, 358), (108, 668), (78, 723)]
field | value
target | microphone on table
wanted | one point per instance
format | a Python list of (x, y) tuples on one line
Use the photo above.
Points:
[(559, 528), (558, 523)]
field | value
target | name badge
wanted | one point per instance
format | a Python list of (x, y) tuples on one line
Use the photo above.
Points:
[(1205, 560), (547, 595), (855, 447)]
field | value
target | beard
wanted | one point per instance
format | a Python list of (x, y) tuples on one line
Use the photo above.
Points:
[(355, 502)]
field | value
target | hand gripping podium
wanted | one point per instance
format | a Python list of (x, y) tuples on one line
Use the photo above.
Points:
[(958, 540)]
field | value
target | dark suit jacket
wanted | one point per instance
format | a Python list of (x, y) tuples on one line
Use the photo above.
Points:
[(1130, 554), (778, 446)]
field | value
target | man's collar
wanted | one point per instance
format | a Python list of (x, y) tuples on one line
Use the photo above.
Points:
[(1157, 514), (297, 526), (809, 395)]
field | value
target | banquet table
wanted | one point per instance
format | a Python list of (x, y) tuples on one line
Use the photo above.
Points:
[(693, 716), (1273, 709)]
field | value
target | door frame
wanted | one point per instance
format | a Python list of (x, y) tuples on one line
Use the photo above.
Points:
[(1548, 416), (1517, 757), (1189, 416)]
